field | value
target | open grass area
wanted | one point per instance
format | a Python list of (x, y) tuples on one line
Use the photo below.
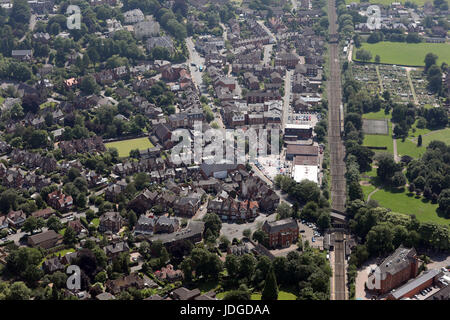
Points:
[(441, 135), (282, 295), (367, 190), (380, 115), (402, 201), (379, 140), (409, 54), (408, 148), (125, 146)]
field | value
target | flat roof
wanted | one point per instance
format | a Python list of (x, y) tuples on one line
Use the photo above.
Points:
[(302, 172), (400, 292), (297, 126)]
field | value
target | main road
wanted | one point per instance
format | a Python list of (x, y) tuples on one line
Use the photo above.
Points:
[(337, 153)]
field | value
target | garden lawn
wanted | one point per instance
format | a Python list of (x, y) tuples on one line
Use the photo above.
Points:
[(125, 146), (409, 54), (95, 222), (405, 202)]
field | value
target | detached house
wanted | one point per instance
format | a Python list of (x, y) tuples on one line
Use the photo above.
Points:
[(60, 201), (111, 221), (16, 218)]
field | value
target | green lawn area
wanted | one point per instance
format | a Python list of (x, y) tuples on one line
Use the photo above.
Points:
[(379, 115), (1, 99), (47, 104), (441, 135), (125, 146), (282, 295), (379, 140), (405, 202), (367, 190), (410, 148), (62, 231), (96, 221), (410, 54)]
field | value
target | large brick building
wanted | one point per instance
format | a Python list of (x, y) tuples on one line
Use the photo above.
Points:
[(282, 233), (394, 271)]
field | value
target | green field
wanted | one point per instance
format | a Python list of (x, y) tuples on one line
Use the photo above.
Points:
[(410, 148), (282, 295), (409, 54), (367, 190), (379, 115), (388, 2), (380, 140), (405, 202), (125, 146)]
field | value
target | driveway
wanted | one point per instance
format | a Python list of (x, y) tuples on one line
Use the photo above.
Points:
[(234, 230)]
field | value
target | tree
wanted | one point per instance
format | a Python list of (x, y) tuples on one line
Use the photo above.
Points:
[(398, 180), (386, 167), (30, 224), (247, 233), (237, 295), (20, 12), (53, 223), (363, 55), (430, 59), (213, 224), (270, 291), (377, 58), (19, 291), (419, 140), (88, 85), (284, 210), (232, 266), (247, 264), (444, 202), (261, 237), (70, 236)]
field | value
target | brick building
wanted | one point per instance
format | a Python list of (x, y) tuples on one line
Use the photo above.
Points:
[(394, 271), (282, 233)]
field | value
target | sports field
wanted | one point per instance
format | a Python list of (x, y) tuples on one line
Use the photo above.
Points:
[(409, 54), (379, 140), (125, 146)]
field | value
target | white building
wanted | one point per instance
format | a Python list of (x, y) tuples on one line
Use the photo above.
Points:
[(302, 172), (133, 16), (147, 28)]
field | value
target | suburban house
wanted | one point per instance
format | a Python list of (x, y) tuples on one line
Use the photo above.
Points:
[(115, 249), (16, 218), (111, 221), (60, 201), (168, 273), (123, 283)]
